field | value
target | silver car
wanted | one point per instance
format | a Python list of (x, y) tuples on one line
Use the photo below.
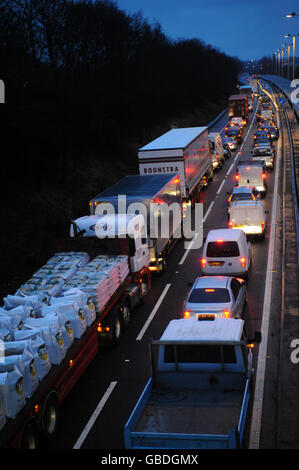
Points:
[(216, 296), (230, 142)]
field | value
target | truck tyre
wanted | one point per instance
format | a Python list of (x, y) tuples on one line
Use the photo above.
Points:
[(125, 315), (116, 329), (50, 416), (30, 436)]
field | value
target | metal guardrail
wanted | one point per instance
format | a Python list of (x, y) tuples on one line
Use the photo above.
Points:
[(211, 124), (293, 161)]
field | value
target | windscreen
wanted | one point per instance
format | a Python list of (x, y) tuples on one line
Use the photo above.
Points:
[(261, 152), (222, 249), (209, 296), (206, 354), (241, 197)]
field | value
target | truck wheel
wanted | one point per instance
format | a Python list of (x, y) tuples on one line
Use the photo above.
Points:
[(30, 438), (116, 329), (125, 315), (50, 416)]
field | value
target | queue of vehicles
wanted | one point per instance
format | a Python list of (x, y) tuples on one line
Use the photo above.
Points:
[(173, 168), (190, 401)]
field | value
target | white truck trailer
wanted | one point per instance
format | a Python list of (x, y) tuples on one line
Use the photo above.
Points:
[(185, 151)]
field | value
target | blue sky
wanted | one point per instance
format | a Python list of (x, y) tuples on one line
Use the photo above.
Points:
[(246, 29)]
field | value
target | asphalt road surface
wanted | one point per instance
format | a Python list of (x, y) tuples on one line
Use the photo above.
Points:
[(93, 415)]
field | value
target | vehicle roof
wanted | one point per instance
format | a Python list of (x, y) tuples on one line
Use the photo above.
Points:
[(249, 163), (247, 202), (175, 138), (238, 97), (108, 224), (220, 329), (224, 234), (211, 281), (142, 186), (242, 189)]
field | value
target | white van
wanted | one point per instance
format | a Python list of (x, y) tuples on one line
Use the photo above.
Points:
[(227, 253), (252, 173), (249, 216), (217, 149)]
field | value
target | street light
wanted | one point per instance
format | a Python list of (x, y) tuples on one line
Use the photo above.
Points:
[(294, 39)]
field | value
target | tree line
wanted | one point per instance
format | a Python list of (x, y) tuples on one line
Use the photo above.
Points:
[(86, 85)]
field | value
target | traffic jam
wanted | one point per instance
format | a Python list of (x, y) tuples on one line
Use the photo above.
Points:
[(83, 299)]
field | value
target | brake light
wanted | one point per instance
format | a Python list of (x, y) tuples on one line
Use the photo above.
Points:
[(187, 314), (203, 262), (243, 262), (237, 177), (230, 224), (209, 290), (226, 314), (219, 241), (263, 225), (264, 176)]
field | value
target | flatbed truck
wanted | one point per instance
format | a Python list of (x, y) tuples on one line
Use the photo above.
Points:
[(36, 423), (198, 394)]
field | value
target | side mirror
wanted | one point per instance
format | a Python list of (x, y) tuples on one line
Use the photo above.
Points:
[(257, 339), (266, 212)]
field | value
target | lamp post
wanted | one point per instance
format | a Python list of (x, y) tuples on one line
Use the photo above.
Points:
[(294, 46), (291, 15)]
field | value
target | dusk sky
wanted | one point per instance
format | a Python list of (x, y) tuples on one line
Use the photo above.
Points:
[(247, 29)]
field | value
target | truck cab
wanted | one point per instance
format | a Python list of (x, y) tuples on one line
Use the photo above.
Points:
[(120, 233)]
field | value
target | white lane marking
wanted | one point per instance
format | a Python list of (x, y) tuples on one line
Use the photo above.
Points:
[(94, 416), (188, 249), (208, 211), (256, 421), (153, 313), (220, 187), (196, 235)]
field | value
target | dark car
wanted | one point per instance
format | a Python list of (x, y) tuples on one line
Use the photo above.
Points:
[(274, 132), (262, 140), (234, 132), (262, 133)]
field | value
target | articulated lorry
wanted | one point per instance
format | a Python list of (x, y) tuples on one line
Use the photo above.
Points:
[(154, 196), (35, 420), (198, 394), (185, 151), (238, 106)]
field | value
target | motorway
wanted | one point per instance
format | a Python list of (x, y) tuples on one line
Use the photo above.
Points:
[(93, 415)]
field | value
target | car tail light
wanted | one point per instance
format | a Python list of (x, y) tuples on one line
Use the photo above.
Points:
[(264, 176), (237, 177), (262, 225), (187, 314), (226, 314), (243, 262), (230, 224), (203, 262)]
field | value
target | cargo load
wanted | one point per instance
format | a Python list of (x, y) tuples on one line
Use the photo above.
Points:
[(12, 387)]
